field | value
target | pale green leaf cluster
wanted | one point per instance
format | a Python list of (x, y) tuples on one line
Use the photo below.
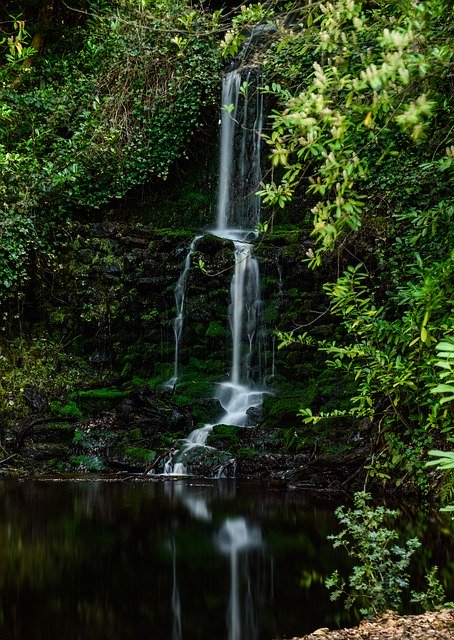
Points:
[(236, 36), (369, 73)]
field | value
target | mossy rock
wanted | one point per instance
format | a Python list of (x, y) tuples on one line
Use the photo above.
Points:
[(43, 452), (206, 411), (130, 457), (68, 410), (86, 463), (93, 401), (281, 412), (269, 440), (224, 436), (193, 387), (247, 453), (203, 461), (60, 433)]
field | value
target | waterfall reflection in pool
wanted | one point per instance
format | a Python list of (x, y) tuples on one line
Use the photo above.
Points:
[(171, 560)]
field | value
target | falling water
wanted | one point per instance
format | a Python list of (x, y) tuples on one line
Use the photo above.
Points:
[(238, 219), (230, 94), (238, 210), (238, 216), (180, 293)]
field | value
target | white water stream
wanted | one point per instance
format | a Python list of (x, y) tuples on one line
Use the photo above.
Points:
[(238, 216), (180, 293)]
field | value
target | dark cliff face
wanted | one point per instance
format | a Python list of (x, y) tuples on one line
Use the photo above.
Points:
[(112, 305)]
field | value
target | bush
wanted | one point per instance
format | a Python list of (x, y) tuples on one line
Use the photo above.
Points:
[(380, 576)]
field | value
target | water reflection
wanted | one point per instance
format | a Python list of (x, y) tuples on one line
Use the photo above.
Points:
[(237, 537), (171, 560), (176, 604)]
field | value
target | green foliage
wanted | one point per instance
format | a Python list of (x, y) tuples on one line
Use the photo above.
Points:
[(434, 598), (15, 46), (88, 123), (446, 362), (388, 351), (349, 80), (380, 576), (444, 460), (43, 365), (86, 463), (216, 330), (236, 36)]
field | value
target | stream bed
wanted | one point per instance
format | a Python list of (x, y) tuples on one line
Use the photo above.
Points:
[(185, 559)]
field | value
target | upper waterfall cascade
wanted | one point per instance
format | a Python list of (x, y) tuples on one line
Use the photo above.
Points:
[(238, 209), (238, 217)]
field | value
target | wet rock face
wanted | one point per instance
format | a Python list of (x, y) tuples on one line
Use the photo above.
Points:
[(115, 295), (205, 462)]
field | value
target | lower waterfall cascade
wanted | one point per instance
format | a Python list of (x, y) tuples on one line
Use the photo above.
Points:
[(238, 216)]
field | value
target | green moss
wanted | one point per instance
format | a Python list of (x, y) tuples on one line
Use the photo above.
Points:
[(282, 411), (194, 386), (167, 440), (139, 454), (216, 330), (224, 436), (207, 364), (247, 452), (86, 463), (105, 394), (98, 400), (68, 410), (158, 381)]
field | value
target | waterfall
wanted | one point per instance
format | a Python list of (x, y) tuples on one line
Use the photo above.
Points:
[(238, 216), (230, 94), (238, 219), (238, 209), (180, 293)]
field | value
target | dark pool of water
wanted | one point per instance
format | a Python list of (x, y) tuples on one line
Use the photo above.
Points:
[(174, 560)]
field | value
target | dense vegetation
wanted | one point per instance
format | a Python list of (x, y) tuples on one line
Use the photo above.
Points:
[(364, 126), (107, 102), (97, 98)]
